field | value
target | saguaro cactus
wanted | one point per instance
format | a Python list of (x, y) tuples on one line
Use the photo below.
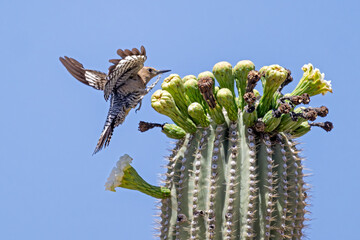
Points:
[(235, 172)]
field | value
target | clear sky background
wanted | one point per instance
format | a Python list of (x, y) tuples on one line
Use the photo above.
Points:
[(51, 187)]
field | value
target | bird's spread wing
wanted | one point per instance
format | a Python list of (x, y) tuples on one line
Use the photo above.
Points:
[(131, 63), (89, 77)]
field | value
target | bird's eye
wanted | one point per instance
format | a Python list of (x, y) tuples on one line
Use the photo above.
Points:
[(150, 70)]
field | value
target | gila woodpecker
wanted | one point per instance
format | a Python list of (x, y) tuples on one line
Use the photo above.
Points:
[(125, 85)]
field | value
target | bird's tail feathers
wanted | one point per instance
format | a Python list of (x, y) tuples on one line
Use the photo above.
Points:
[(105, 138)]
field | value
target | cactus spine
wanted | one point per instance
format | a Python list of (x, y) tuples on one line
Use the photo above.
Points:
[(235, 172)]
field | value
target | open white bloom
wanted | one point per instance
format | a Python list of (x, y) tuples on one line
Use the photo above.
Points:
[(117, 173), (313, 82)]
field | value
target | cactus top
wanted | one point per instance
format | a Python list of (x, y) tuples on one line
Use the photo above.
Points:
[(273, 112)]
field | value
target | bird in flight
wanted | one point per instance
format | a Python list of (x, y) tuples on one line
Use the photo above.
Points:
[(125, 86)]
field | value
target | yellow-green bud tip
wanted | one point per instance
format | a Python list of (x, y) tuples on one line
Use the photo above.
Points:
[(188, 77), (206, 74)]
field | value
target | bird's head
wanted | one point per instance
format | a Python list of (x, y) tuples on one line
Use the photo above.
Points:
[(147, 73)]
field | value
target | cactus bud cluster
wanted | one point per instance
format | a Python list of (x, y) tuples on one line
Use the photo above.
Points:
[(235, 172)]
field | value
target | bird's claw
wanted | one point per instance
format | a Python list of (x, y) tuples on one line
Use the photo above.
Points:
[(138, 107)]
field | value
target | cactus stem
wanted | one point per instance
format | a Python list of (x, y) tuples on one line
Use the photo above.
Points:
[(249, 188), (233, 188), (197, 165), (283, 207), (267, 189), (300, 204), (217, 178), (185, 187), (327, 126)]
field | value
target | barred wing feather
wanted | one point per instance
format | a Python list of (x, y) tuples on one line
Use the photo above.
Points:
[(89, 77), (119, 73)]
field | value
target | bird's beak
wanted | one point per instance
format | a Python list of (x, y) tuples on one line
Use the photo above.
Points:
[(163, 71)]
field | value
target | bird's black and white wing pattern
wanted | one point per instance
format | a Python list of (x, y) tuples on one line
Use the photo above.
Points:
[(130, 64), (89, 77)]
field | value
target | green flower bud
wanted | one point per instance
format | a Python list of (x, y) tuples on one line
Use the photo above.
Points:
[(173, 131), (163, 102), (226, 99), (196, 111), (175, 86), (272, 77), (193, 93), (312, 82), (301, 130), (240, 73), (206, 74), (125, 176), (188, 77), (271, 121), (224, 75)]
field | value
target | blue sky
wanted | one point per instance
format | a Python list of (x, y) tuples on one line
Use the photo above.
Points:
[(51, 187)]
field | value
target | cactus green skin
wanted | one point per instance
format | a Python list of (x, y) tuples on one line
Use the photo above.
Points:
[(229, 178)]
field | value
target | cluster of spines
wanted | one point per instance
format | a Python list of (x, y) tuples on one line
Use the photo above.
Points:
[(300, 192), (214, 217), (182, 185), (251, 213), (233, 186), (285, 231), (197, 165)]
